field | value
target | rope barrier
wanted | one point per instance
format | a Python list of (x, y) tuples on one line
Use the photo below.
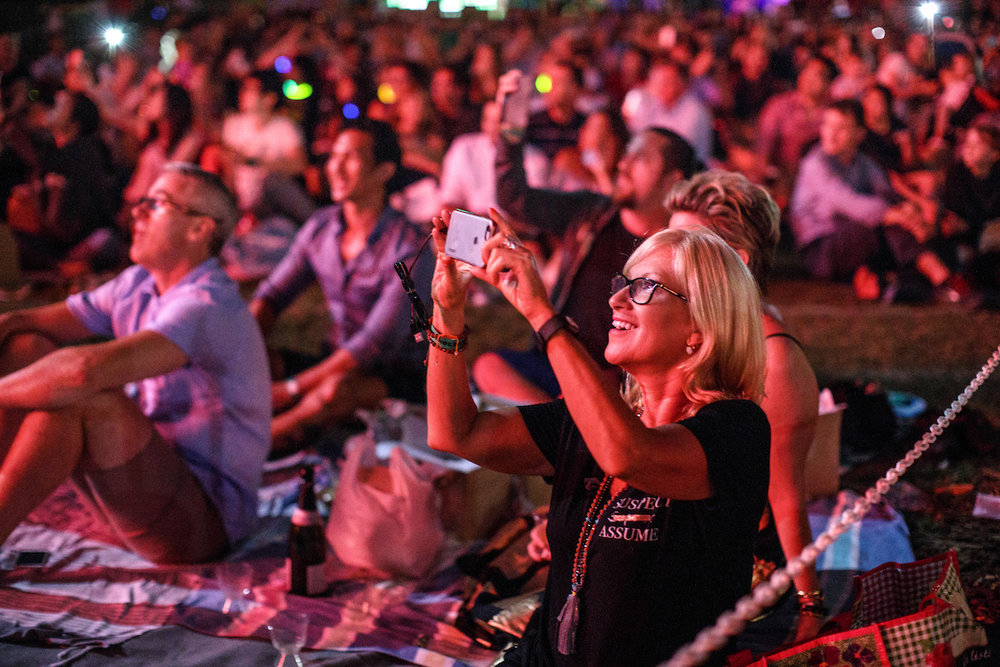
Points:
[(765, 595)]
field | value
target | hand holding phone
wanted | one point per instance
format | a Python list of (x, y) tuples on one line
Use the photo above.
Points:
[(467, 233), (516, 90)]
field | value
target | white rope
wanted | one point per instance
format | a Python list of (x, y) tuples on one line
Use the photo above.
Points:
[(766, 594)]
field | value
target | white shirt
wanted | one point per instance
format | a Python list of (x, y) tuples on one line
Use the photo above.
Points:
[(279, 139), (688, 117)]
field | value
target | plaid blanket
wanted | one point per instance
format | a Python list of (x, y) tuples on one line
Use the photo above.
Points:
[(93, 593)]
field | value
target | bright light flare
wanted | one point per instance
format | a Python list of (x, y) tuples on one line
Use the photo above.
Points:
[(929, 9), (114, 37)]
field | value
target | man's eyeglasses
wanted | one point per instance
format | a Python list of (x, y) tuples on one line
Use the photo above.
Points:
[(640, 290), (157, 203)]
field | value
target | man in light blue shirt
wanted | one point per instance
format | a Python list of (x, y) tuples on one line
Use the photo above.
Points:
[(162, 428)]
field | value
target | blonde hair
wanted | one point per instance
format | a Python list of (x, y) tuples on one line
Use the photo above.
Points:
[(743, 214), (725, 307)]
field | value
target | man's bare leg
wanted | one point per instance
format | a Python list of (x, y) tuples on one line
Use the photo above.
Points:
[(101, 432), (17, 352)]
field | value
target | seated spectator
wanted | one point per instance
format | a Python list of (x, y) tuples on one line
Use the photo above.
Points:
[(971, 198), (665, 100), (450, 96), (754, 82), (789, 124), (971, 190), (557, 125), (349, 249), (420, 135), (963, 224), (258, 143), (20, 146), (842, 210), (962, 99), (468, 178), (591, 163), (167, 133), (907, 74), (887, 139), (484, 69), (66, 215), (162, 429), (854, 76)]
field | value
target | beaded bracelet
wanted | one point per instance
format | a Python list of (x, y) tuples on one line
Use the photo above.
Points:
[(449, 343)]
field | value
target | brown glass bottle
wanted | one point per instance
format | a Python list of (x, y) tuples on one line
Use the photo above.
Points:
[(307, 542)]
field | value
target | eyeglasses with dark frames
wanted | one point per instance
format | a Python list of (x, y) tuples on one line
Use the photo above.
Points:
[(640, 290), (158, 202)]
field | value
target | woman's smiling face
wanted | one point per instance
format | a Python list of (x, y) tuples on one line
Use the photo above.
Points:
[(654, 334)]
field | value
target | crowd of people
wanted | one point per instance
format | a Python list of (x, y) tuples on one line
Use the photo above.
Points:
[(910, 159), (661, 154)]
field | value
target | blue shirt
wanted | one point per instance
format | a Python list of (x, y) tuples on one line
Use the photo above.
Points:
[(828, 192), (369, 311), (216, 410)]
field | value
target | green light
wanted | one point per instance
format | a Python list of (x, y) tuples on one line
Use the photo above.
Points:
[(543, 83), (296, 91)]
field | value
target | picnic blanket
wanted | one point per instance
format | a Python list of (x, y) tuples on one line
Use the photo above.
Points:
[(93, 593)]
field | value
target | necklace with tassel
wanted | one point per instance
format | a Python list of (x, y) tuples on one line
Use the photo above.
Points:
[(569, 617)]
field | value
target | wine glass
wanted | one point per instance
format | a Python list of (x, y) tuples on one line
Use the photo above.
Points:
[(288, 634), (235, 581)]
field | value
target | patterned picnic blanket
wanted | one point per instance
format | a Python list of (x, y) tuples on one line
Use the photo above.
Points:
[(93, 593)]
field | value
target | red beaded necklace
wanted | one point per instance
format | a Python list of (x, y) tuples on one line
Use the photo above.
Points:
[(569, 617)]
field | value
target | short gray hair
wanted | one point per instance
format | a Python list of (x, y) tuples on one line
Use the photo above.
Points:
[(219, 201)]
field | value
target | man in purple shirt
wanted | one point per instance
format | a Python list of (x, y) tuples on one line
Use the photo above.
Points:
[(349, 249), (162, 428), (843, 214)]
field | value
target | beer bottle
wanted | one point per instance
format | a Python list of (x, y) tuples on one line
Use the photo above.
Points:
[(307, 542)]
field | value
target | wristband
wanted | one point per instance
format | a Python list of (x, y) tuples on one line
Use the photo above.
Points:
[(809, 595), (555, 323), (449, 343), (292, 387)]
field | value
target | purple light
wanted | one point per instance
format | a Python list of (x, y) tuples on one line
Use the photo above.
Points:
[(159, 13), (351, 111), (282, 65)]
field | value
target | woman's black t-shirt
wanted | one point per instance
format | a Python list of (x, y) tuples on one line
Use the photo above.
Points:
[(658, 570)]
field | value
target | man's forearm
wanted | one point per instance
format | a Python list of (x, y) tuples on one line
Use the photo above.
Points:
[(54, 322), (338, 363), (54, 381)]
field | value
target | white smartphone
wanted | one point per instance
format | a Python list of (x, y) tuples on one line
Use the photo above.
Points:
[(467, 233)]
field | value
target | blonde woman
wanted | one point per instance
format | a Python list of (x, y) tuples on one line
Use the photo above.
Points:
[(657, 495)]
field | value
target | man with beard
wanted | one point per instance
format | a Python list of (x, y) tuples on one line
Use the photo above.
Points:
[(596, 233)]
